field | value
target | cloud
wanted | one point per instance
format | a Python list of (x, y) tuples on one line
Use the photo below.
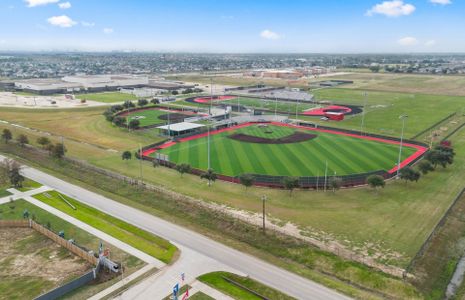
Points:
[(395, 8), (33, 3), (430, 43), (87, 24), (269, 35), (108, 30), (407, 41), (441, 2), (61, 21), (64, 5)]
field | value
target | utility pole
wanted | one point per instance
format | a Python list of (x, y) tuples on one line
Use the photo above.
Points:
[(403, 118), (263, 210), (211, 96)]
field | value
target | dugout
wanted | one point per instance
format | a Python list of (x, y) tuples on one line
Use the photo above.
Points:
[(179, 129)]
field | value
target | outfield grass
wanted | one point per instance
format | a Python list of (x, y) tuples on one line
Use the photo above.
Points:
[(107, 97), (149, 117), (217, 281), (132, 235), (345, 155)]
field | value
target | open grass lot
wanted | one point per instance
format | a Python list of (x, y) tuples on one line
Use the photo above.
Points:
[(384, 109), (407, 83), (30, 283), (345, 155), (153, 116), (134, 236), (217, 281), (31, 264), (107, 97)]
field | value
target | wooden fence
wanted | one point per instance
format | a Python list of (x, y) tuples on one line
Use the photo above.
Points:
[(53, 236)]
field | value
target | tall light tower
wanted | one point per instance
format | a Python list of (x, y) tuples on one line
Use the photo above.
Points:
[(365, 95), (211, 96), (403, 118)]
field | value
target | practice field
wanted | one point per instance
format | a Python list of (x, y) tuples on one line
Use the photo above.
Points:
[(156, 116), (256, 103), (288, 151), (107, 97)]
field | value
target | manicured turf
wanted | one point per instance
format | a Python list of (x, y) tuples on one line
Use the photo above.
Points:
[(345, 155), (107, 97), (217, 281), (283, 106), (28, 185), (148, 117), (134, 236)]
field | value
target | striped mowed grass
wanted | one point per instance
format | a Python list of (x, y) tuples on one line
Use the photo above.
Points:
[(344, 154)]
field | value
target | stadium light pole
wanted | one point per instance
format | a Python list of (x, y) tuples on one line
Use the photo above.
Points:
[(276, 108), (208, 152), (140, 163), (211, 96), (403, 118), (326, 176), (365, 94)]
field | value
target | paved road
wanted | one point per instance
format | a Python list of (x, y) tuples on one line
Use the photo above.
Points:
[(266, 273)]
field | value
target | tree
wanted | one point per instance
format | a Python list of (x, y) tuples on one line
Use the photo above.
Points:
[(134, 124), (16, 179), (127, 155), (155, 101), (58, 150), (7, 135), (375, 68), (119, 121), (409, 174), (142, 102), (174, 93), (441, 155), (210, 175), (183, 168), (290, 183), (22, 140), (155, 163), (425, 166), (43, 141), (335, 183), (246, 180), (128, 104), (376, 181)]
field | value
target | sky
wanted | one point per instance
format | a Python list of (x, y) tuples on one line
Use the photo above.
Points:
[(234, 26)]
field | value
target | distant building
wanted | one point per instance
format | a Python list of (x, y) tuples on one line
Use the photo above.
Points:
[(81, 83)]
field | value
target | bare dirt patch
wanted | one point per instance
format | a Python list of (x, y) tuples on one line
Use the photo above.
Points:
[(293, 138), (25, 253)]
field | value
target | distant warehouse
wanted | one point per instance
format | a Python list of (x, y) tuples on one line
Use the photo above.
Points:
[(81, 83)]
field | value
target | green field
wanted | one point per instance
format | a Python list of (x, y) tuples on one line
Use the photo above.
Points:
[(218, 281), (148, 117), (345, 155), (134, 236), (107, 97)]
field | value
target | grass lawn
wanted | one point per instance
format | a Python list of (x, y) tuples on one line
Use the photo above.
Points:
[(134, 236), (152, 116), (107, 97), (384, 109), (4, 193), (30, 286), (200, 296), (217, 281), (28, 185), (345, 155)]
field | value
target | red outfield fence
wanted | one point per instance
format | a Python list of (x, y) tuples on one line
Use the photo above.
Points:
[(306, 182)]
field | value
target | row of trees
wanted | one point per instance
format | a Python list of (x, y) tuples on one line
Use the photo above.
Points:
[(57, 150)]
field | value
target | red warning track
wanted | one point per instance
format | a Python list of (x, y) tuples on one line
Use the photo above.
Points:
[(215, 98), (322, 110), (420, 149)]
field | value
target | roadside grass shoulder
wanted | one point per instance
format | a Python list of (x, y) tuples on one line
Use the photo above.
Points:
[(134, 236), (219, 281), (200, 296), (28, 185), (348, 277)]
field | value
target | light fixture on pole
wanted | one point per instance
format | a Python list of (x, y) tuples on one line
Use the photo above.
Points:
[(403, 118)]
